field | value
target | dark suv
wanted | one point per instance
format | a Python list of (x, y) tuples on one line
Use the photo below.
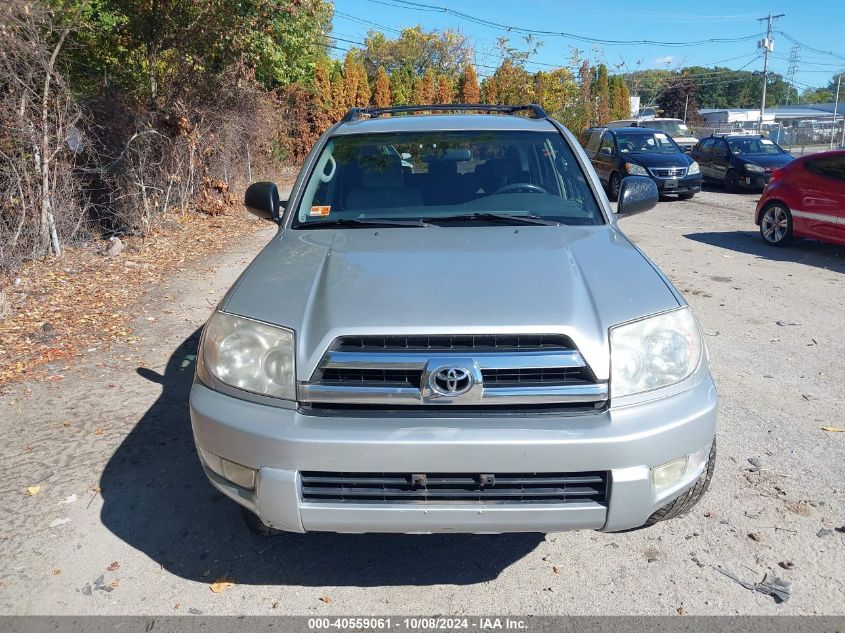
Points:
[(635, 151), (739, 161)]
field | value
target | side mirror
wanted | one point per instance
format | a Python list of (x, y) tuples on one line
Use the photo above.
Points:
[(262, 199), (636, 194), (606, 151), (405, 156)]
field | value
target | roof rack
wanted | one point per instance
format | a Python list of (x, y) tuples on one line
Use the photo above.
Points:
[(356, 114)]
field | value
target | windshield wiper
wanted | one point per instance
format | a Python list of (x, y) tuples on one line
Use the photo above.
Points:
[(378, 222), (501, 218)]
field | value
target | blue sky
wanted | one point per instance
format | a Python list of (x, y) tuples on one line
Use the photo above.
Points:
[(818, 24)]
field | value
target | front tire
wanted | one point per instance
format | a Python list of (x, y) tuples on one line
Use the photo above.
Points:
[(256, 525), (732, 182), (613, 186), (776, 224)]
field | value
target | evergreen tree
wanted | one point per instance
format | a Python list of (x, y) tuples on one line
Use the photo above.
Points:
[(469, 91), (381, 94)]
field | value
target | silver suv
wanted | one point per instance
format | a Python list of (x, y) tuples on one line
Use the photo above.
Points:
[(449, 333)]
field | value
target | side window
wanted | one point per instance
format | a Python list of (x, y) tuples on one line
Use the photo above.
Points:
[(706, 146), (593, 143), (830, 166), (606, 146), (720, 148)]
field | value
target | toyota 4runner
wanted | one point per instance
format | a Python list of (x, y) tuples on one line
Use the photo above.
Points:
[(450, 333)]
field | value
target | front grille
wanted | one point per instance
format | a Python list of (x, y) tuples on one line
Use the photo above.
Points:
[(536, 377), (669, 172), (455, 343), (507, 370), (365, 377), (443, 488)]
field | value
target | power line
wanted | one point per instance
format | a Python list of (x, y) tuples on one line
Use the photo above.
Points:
[(420, 6), (809, 48)]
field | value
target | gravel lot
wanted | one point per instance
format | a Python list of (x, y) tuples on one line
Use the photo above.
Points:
[(125, 523)]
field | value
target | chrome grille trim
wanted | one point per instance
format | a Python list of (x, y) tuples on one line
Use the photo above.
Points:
[(669, 172), (419, 360), (411, 396)]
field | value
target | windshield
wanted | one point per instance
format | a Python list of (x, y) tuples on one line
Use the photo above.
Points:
[(673, 128), (425, 176), (640, 143), (754, 147)]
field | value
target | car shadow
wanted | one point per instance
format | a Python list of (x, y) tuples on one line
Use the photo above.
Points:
[(801, 251), (156, 499)]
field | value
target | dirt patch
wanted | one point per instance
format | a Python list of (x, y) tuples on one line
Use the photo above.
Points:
[(57, 308)]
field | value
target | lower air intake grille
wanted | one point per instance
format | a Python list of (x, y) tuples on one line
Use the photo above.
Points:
[(439, 488)]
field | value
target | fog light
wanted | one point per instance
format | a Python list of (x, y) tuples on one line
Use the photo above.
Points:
[(239, 475), (668, 474)]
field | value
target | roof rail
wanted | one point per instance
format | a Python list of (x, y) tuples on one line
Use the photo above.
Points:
[(356, 114)]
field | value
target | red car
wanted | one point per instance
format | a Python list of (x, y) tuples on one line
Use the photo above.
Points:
[(805, 198)]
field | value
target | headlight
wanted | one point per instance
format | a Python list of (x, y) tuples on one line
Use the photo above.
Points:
[(654, 352), (754, 169), (250, 355), (635, 170), (694, 168)]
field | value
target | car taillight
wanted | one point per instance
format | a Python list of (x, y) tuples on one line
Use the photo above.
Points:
[(777, 174)]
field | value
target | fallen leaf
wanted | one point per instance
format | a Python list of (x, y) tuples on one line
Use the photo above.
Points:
[(66, 424), (755, 536), (56, 571), (98, 431), (32, 491), (325, 599), (113, 567), (113, 584), (221, 583), (681, 611), (833, 429), (556, 569)]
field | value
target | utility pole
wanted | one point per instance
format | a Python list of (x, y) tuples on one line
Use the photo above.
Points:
[(835, 108), (768, 45)]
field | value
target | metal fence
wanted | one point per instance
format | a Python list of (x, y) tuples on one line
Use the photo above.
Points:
[(792, 134)]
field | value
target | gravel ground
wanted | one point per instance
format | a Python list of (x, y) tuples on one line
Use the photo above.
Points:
[(125, 523)]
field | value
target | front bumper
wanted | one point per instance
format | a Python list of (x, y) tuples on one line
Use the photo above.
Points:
[(688, 184), (625, 441), (754, 181)]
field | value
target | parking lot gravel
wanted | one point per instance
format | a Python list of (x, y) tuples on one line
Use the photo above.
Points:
[(119, 518)]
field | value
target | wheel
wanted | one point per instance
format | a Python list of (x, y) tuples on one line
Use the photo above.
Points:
[(256, 525), (732, 182), (776, 224), (686, 501), (613, 187), (686, 196)]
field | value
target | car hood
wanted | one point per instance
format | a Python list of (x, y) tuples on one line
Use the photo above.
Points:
[(576, 281), (678, 159), (773, 161)]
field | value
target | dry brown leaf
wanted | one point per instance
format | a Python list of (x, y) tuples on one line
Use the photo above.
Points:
[(56, 571), (325, 599), (221, 583), (113, 584), (113, 567), (833, 429), (31, 491), (98, 431)]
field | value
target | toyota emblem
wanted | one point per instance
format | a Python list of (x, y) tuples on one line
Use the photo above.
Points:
[(451, 381)]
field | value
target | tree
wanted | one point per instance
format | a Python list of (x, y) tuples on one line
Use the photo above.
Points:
[(584, 112), (443, 94), (446, 52), (381, 94), (363, 94), (600, 92), (339, 99), (322, 85), (402, 85), (488, 91), (556, 92), (678, 100), (351, 78), (424, 88), (468, 91)]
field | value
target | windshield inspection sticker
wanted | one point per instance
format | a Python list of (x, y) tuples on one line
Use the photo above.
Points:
[(319, 211)]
